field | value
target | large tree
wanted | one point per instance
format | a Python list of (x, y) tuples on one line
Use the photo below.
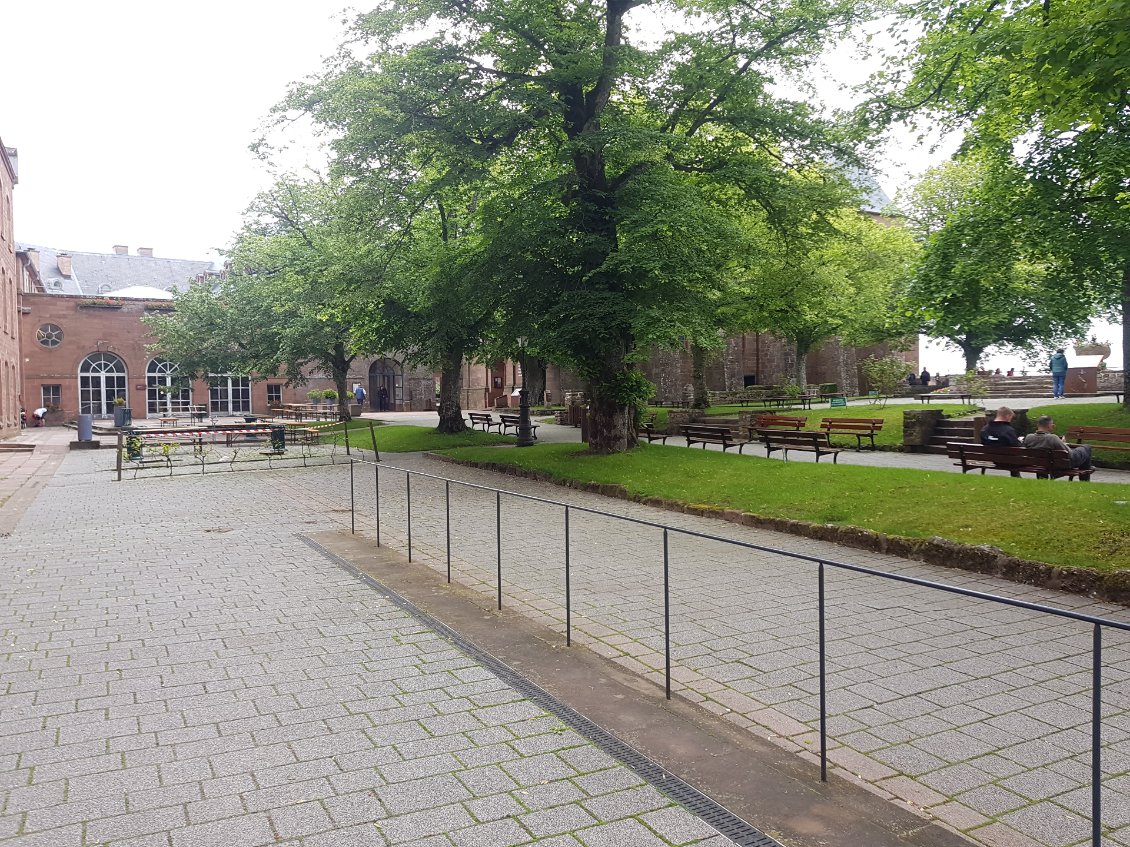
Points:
[(995, 270), (284, 304), (600, 138), (1049, 79)]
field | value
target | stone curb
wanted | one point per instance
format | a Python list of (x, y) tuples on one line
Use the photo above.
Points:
[(985, 559)]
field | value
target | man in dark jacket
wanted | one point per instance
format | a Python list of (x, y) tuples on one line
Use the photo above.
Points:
[(999, 431)]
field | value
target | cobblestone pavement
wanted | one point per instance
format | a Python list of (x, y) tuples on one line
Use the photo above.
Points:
[(976, 712), (178, 669)]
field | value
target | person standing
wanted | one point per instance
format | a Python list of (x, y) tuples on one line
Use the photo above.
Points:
[(1045, 436), (359, 395), (924, 377), (382, 399), (1058, 367)]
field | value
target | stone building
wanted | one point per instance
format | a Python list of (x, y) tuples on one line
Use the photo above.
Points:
[(9, 307), (84, 343)]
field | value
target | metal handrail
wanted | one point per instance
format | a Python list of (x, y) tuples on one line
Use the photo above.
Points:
[(822, 562)]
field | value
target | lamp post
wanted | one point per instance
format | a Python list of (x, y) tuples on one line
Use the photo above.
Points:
[(525, 431)]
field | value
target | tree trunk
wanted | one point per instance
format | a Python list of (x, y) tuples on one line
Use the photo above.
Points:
[(848, 370), (533, 377), (1126, 335), (972, 355), (800, 374), (610, 424), (339, 370), (450, 383), (698, 377)]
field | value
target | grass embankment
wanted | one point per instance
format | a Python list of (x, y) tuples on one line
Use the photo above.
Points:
[(1067, 524), (890, 437), (412, 439)]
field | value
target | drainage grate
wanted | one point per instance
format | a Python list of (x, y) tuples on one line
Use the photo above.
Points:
[(716, 815)]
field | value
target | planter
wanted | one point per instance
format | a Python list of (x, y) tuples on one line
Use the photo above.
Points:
[(123, 416), (1093, 350)]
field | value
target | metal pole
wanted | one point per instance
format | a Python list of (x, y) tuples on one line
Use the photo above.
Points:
[(498, 540), (568, 592), (121, 446), (447, 508), (1096, 736), (345, 426), (408, 490), (667, 614), (823, 685), (352, 502), (377, 491), (373, 437)]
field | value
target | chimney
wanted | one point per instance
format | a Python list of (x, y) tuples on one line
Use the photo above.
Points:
[(121, 250), (33, 257), (145, 251), (64, 262)]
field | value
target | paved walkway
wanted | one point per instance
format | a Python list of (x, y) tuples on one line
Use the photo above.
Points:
[(178, 669), (974, 712)]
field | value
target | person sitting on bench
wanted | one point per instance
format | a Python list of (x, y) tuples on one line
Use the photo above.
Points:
[(999, 432), (1045, 436)]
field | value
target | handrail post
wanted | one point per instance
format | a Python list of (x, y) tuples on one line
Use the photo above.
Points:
[(568, 591), (408, 497), (823, 681), (498, 540), (377, 492), (121, 446), (352, 502), (447, 511), (1096, 736), (666, 615)]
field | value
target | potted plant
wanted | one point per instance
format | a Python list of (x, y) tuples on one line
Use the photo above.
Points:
[(314, 395), (123, 416), (330, 396)]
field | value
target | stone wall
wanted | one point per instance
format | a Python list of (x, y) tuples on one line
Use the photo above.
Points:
[(10, 273)]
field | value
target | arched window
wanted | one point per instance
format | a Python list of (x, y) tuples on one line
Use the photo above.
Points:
[(101, 378), (166, 393)]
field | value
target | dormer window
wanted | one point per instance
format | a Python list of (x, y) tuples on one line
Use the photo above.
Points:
[(104, 288)]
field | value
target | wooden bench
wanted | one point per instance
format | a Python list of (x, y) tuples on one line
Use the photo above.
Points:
[(779, 422), (198, 413), (313, 434), (859, 427), (485, 420), (805, 440), (1098, 436), (507, 421), (1044, 462), (647, 430), (1117, 395), (701, 434), (966, 399)]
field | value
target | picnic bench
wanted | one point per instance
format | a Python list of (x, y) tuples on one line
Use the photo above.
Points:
[(485, 420), (1098, 436), (785, 400), (702, 434), (507, 421), (966, 399), (1044, 462), (805, 440), (859, 427), (198, 413)]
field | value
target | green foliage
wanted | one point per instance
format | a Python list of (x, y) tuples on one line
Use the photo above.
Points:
[(972, 384), (329, 394), (893, 501), (885, 373)]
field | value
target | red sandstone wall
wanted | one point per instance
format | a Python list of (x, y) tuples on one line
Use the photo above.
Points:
[(9, 312)]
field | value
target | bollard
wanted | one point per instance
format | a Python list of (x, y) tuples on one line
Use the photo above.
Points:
[(86, 427)]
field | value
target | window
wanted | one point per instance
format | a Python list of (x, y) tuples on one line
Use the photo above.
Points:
[(51, 396), (274, 394), (101, 378), (166, 393), (104, 288), (49, 335)]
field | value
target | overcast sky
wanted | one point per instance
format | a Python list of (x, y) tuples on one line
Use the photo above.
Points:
[(133, 119)]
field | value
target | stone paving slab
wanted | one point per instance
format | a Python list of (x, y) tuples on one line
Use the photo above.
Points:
[(177, 668), (974, 712)]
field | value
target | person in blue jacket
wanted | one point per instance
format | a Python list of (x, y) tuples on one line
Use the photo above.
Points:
[(1058, 366)]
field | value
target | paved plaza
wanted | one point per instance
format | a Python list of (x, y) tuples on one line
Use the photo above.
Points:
[(179, 667)]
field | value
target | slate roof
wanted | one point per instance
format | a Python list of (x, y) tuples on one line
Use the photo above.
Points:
[(873, 198), (94, 274)]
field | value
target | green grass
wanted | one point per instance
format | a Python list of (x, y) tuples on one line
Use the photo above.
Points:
[(413, 439), (890, 437), (1068, 524)]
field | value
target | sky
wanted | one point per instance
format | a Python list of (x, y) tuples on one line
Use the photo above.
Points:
[(133, 119)]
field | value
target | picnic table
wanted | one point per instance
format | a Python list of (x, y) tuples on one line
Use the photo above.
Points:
[(781, 401)]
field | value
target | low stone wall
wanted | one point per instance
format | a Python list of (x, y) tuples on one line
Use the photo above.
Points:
[(677, 419), (917, 427)]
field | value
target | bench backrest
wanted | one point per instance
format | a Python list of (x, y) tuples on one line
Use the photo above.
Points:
[(480, 417), (510, 418), (803, 437), (1014, 458), (1098, 433), (696, 430), (864, 424), (779, 422)]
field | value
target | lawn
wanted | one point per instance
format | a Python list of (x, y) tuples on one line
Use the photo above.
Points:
[(889, 438), (1068, 524), (413, 439)]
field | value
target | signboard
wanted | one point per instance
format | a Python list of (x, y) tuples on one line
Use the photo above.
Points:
[(837, 401)]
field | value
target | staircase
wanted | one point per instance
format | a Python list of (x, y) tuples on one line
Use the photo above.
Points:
[(1019, 386), (949, 430)]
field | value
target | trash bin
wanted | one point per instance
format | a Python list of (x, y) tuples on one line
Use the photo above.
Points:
[(278, 438), (86, 427), (123, 416)]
